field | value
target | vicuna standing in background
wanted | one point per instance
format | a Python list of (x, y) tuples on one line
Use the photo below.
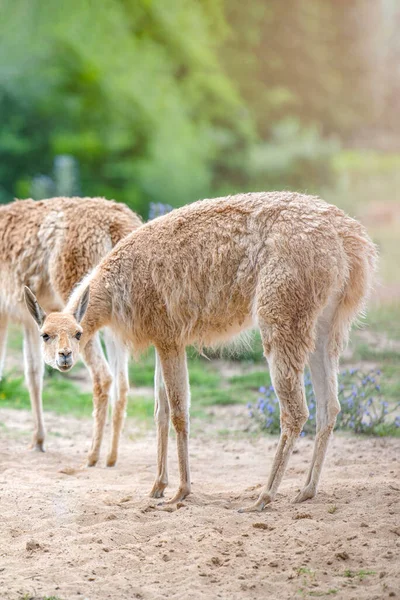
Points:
[(50, 246), (291, 264)]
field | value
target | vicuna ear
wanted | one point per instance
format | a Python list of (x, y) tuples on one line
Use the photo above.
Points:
[(80, 310), (34, 307)]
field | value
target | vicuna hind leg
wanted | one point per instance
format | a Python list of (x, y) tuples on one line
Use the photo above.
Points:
[(101, 378), (324, 369), (118, 359), (175, 375), (34, 368), (287, 377), (161, 417), (3, 342)]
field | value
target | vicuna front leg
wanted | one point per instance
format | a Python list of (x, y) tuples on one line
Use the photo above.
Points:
[(118, 359), (101, 378), (34, 368), (324, 368), (175, 374), (288, 382), (161, 417)]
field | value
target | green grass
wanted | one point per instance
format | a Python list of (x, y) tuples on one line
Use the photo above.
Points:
[(14, 337), (30, 597), (305, 571), (253, 353), (309, 578), (360, 574), (61, 393), (365, 352), (141, 372), (208, 385), (140, 408), (13, 394), (253, 380), (211, 382)]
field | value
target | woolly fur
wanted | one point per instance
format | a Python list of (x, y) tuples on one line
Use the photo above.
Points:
[(207, 271)]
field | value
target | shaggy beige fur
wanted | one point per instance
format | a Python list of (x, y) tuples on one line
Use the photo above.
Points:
[(291, 264), (50, 246)]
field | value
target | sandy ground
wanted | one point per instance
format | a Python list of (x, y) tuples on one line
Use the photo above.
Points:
[(94, 534)]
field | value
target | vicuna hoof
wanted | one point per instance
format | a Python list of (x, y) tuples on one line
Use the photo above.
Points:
[(37, 446), (259, 505), (111, 461), (157, 490), (179, 496), (306, 493), (92, 461)]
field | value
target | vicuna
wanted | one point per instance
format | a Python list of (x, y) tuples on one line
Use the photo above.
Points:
[(50, 246), (292, 265)]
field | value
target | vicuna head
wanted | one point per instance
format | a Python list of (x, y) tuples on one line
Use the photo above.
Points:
[(60, 331)]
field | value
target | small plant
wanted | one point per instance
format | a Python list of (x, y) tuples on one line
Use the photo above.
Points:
[(30, 597), (363, 409), (332, 509), (360, 574), (305, 571), (13, 393)]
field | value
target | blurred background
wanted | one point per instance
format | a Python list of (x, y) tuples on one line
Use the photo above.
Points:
[(148, 101), (168, 102)]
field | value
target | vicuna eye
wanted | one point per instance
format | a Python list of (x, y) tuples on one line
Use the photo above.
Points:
[(78, 335), (45, 337)]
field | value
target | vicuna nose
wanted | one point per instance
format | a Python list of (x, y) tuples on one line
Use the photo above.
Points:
[(66, 352)]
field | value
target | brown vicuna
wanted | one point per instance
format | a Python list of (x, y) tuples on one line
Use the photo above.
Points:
[(50, 246), (292, 265)]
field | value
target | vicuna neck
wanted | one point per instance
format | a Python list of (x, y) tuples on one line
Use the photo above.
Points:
[(98, 313)]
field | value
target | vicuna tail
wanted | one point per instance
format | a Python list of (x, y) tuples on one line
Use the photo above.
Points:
[(362, 261)]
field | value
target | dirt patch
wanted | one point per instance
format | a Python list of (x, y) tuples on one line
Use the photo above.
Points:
[(92, 533)]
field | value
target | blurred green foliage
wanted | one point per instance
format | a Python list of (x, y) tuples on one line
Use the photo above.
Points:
[(132, 89), (173, 101)]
